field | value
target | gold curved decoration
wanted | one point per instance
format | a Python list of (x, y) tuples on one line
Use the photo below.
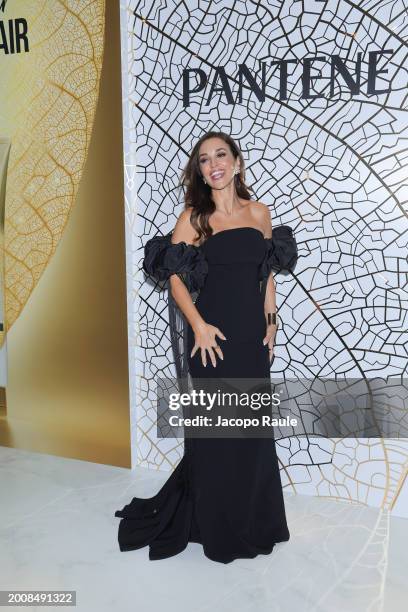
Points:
[(48, 100), (4, 157)]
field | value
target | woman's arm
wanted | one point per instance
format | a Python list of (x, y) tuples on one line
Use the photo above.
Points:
[(270, 314), (270, 295), (184, 232), (204, 333)]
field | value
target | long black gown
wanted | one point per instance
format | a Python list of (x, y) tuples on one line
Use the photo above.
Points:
[(225, 493)]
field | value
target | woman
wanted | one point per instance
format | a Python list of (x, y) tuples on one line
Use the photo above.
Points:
[(225, 493)]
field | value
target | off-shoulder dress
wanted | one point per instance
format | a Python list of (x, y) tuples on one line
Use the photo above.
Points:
[(225, 493)]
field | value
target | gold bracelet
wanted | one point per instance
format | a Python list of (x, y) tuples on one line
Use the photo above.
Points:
[(271, 318)]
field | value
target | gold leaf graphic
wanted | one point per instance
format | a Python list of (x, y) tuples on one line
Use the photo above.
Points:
[(48, 101)]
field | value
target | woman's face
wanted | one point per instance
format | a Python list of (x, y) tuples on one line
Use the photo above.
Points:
[(216, 162)]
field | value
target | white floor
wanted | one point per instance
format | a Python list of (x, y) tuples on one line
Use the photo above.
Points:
[(58, 531)]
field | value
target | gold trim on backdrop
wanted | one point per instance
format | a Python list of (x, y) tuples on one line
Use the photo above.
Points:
[(5, 145)]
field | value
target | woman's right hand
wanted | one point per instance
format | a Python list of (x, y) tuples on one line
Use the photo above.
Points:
[(205, 340)]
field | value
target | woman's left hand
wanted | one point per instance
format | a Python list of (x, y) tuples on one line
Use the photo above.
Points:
[(269, 339)]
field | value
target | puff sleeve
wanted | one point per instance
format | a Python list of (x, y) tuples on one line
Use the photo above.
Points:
[(162, 258), (281, 251)]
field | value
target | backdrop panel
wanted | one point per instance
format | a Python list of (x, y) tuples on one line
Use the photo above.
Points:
[(64, 290), (324, 144)]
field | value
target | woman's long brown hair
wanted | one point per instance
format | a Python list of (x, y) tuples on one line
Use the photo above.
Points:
[(198, 194)]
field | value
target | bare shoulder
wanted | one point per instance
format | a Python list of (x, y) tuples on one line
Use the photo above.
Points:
[(183, 230), (262, 214), (260, 208)]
